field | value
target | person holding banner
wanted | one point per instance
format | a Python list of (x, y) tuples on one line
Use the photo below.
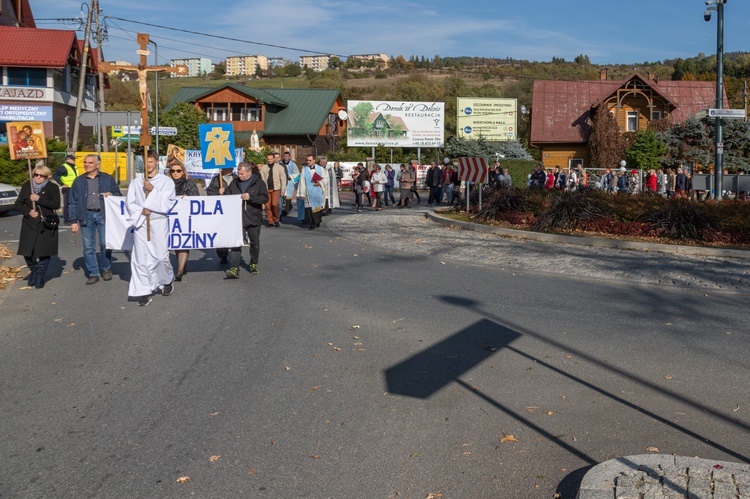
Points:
[(37, 201), (148, 201), (250, 186), (310, 191), (183, 186), (86, 211), (216, 187)]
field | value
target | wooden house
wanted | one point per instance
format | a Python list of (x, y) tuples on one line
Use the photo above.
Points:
[(562, 111), (302, 121)]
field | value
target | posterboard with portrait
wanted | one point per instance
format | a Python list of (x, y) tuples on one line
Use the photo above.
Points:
[(175, 156), (26, 140)]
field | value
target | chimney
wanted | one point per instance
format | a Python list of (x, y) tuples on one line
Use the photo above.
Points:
[(604, 74), (651, 76)]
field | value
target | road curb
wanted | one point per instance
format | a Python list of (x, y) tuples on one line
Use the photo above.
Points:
[(672, 249)]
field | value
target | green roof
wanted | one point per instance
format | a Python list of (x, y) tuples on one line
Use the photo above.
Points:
[(288, 111)]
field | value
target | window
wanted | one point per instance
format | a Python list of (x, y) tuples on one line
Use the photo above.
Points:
[(655, 115), (632, 121), (27, 77), (219, 114), (575, 163), (250, 114)]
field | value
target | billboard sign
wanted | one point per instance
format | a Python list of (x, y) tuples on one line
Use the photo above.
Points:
[(395, 124), (491, 119)]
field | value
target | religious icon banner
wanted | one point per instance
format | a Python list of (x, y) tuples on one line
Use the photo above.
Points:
[(217, 145), (26, 140)]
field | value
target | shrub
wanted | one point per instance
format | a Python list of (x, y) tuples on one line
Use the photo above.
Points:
[(568, 211), (502, 202), (681, 219)]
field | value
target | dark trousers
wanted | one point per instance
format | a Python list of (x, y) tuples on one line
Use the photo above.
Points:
[(253, 235)]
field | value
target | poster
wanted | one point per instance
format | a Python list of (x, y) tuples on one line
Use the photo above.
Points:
[(26, 140), (490, 119), (395, 124)]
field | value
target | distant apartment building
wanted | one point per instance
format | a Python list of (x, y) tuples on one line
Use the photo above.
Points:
[(242, 65), (278, 62), (380, 59), (197, 66), (315, 62)]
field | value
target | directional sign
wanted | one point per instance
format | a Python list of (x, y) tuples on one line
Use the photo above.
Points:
[(163, 130), (727, 113), (109, 118)]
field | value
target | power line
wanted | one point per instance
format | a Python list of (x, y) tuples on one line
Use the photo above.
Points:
[(219, 36), (159, 37)]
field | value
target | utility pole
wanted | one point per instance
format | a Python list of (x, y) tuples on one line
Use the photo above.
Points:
[(99, 59), (744, 99), (82, 79)]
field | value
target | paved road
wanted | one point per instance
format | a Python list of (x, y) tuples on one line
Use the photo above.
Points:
[(382, 356)]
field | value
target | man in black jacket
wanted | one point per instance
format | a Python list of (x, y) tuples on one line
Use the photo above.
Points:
[(249, 184)]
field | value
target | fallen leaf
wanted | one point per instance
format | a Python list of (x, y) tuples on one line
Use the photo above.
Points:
[(251, 471), (330, 344), (433, 496), (58, 320), (652, 449), (214, 414), (335, 349), (718, 467), (736, 408), (508, 438), (466, 453), (287, 368), (668, 376), (550, 413), (314, 388), (356, 326), (213, 459), (442, 263), (183, 479), (355, 337), (315, 456)]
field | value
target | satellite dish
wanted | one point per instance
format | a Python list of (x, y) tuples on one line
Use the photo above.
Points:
[(343, 115)]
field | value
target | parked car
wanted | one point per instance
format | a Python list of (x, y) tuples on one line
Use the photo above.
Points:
[(8, 196)]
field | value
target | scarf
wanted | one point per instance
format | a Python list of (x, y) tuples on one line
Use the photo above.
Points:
[(179, 185), (38, 187)]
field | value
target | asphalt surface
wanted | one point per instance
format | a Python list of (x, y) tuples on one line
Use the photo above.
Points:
[(382, 355)]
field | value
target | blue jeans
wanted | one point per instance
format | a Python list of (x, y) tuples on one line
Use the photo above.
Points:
[(94, 225), (389, 194)]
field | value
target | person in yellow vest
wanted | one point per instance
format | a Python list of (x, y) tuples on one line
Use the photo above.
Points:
[(64, 176)]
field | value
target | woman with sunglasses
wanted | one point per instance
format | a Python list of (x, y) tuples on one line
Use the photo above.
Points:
[(183, 186), (37, 243)]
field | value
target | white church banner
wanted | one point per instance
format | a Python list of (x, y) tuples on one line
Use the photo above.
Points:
[(195, 222)]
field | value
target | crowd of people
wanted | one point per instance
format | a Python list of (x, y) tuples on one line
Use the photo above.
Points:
[(268, 192)]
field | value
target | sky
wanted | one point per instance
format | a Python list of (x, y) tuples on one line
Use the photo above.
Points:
[(608, 31)]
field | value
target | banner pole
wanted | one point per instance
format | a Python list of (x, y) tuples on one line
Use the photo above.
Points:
[(31, 184)]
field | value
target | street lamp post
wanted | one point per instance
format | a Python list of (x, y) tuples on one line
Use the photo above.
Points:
[(718, 6)]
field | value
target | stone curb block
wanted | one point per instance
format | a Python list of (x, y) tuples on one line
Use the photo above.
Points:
[(599, 481), (672, 249)]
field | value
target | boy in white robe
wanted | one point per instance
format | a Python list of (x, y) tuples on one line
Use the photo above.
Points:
[(150, 198)]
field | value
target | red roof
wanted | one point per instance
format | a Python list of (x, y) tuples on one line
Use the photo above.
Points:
[(562, 110), (36, 48)]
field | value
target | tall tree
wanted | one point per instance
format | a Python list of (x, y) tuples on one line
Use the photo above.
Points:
[(646, 151)]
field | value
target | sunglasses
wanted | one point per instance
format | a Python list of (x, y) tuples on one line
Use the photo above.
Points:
[(175, 171), (40, 175)]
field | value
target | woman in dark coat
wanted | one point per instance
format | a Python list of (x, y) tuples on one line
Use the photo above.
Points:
[(37, 199), (183, 186)]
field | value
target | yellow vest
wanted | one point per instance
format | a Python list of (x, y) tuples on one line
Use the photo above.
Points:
[(70, 176)]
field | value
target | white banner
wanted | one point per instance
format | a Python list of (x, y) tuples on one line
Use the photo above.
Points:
[(195, 222), (395, 124)]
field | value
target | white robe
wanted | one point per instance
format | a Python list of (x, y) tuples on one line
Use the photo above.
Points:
[(330, 186), (149, 261)]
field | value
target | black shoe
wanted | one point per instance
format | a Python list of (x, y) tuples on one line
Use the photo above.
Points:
[(93, 279), (168, 289), (224, 260), (311, 227), (107, 275), (39, 282), (178, 277), (277, 224), (144, 300)]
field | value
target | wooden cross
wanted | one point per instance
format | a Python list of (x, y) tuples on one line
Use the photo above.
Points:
[(143, 69)]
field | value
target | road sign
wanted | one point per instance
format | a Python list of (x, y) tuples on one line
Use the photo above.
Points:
[(109, 118), (727, 113), (473, 170), (163, 130)]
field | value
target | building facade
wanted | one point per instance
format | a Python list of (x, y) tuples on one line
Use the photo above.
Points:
[(197, 66), (246, 65), (378, 60), (562, 111), (315, 62), (39, 76)]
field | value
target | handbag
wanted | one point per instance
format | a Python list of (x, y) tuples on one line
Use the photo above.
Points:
[(413, 188), (51, 222)]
